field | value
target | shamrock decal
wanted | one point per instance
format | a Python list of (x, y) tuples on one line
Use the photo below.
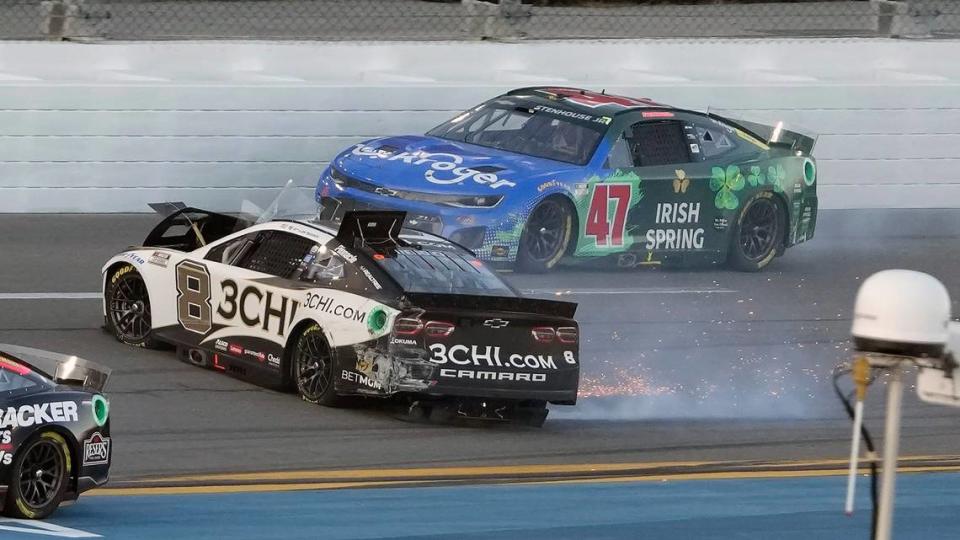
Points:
[(756, 177), (725, 183), (776, 175)]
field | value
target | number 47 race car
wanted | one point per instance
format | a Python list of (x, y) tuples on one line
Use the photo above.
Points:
[(540, 176), (367, 309)]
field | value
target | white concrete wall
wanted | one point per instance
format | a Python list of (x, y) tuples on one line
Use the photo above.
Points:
[(110, 127)]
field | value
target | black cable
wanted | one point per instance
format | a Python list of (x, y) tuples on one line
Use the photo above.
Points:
[(838, 372)]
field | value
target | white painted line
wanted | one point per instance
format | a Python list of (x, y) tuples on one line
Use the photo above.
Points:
[(43, 528), (647, 290), (51, 296)]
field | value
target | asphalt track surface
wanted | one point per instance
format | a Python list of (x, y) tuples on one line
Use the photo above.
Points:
[(704, 365)]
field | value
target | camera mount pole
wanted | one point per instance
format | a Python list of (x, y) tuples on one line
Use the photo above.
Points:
[(861, 376), (891, 449)]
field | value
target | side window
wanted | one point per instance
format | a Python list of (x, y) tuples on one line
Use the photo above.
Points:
[(231, 251), (619, 157), (276, 253), (714, 140), (321, 266), (11, 380), (655, 143)]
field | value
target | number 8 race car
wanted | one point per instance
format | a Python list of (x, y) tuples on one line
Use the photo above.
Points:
[(364, 310)]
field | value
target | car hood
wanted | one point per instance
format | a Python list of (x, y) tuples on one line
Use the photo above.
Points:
[(430, 164)]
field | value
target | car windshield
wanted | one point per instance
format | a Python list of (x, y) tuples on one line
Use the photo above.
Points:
[(539, 131), (434, 266)]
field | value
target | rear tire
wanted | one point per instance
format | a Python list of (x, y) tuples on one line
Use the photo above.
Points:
[(128, 308), (758, 233), (546, 236), (38, 477), (313, 368)]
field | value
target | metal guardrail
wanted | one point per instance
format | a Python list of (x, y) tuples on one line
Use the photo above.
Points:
[(368, 20)]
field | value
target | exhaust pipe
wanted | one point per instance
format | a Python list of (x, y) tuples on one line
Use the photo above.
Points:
[(198, 358), (627, 260)]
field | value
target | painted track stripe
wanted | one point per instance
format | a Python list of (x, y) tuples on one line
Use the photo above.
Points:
[(427, 473), (521, 472), (51, 296), (318, 486)]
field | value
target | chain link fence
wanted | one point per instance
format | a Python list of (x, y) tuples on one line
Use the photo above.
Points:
[(472, 19)]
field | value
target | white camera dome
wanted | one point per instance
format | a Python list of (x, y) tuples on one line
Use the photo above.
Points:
[(901, 312)]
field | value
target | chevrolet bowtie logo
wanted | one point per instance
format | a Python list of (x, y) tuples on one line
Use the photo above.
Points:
[(495, 323), (385, 191)]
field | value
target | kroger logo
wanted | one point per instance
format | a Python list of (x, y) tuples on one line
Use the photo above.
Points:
[(444, 169)]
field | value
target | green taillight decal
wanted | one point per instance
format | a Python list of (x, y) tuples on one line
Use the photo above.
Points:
[(101, 409), (377, 320), (809, 172)]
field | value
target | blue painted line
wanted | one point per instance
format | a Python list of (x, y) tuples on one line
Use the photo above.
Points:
[(928, 508)]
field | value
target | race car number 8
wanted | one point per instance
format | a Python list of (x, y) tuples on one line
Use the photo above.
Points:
[(193, 297), (606, 231)]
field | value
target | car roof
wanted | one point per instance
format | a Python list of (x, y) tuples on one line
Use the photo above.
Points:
[(588, 101)]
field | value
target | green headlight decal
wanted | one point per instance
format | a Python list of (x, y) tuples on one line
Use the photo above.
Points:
[(809, 172), (101, 409), (376, 320)]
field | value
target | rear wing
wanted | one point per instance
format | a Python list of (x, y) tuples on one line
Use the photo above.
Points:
[(185, 228), (775, 133), (376, 230), (553, 308), (60, 368)]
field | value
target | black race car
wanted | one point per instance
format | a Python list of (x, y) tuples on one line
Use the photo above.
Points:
[(54, 430), (361, 309)]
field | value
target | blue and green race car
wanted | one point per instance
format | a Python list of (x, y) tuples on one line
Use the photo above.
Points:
[(542, 176)]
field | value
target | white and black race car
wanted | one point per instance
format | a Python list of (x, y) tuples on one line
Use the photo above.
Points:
[(361, 309)]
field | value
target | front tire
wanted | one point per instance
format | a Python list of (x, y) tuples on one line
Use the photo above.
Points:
[(758, 233), (313, 364), (128, 308), (38, 477), (546, 236)]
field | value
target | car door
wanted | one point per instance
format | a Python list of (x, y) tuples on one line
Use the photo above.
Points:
[(660, 155), (236, 298)]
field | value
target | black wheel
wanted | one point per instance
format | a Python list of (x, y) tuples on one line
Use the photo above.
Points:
[(313, 367), (546, 236), (38, 478), (758, 233), (128, 308)]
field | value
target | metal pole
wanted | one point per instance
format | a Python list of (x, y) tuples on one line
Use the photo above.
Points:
[(854, 455), (891, 449)]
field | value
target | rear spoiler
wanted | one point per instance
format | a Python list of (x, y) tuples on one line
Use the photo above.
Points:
[(377, 230), (775, 135), (555, 308), (59, 368), (185, 228)]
